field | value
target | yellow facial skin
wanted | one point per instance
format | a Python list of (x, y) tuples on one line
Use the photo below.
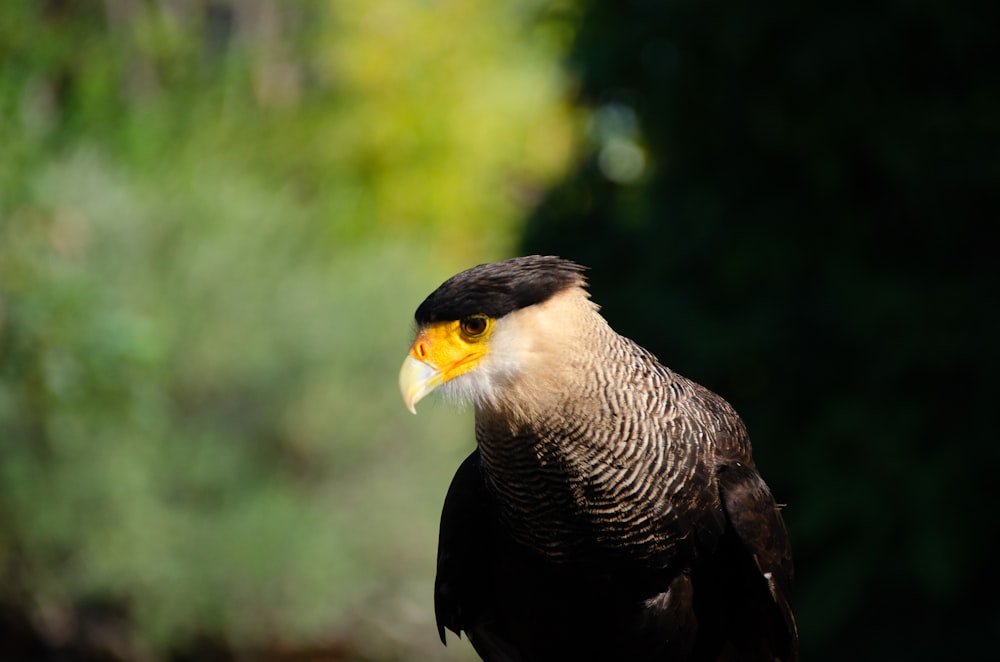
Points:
[(441, 352)]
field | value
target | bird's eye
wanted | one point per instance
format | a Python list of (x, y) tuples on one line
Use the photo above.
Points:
[(474, 325)]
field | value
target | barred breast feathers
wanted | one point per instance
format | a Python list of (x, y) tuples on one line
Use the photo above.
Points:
[(589, 436)]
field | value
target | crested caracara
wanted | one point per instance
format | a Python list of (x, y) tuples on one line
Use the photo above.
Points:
[(612, 509)]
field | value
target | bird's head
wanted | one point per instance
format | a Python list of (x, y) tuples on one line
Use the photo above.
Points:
[(482, 327)]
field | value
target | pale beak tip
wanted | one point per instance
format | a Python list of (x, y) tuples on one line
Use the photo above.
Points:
[(416, 379)]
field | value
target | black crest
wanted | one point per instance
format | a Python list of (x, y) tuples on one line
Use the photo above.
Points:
[(499, 288)]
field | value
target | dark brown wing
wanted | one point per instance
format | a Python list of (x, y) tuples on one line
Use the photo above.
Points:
[(759, 624), (464, 547)]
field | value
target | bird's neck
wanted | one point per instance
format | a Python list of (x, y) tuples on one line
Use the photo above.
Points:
[(560, 466)]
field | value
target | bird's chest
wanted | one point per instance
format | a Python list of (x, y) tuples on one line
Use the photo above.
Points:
[(570, 500)]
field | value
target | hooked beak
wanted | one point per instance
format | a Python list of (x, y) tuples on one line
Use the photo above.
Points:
[(438, 354), (417, 379)]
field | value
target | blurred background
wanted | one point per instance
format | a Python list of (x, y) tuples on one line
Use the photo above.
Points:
[(217, 218)]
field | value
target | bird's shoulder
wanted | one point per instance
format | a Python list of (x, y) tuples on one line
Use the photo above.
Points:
[(467, 530), (758, 560)]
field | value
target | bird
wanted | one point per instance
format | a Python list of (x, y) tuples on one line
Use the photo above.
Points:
[(611, 509)]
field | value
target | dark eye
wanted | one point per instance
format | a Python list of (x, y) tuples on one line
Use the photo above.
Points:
[(474, 326)]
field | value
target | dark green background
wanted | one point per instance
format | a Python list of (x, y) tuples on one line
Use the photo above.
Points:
[(812, 238)]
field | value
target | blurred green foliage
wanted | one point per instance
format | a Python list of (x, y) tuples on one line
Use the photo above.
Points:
[(790, 203), (216, 219)]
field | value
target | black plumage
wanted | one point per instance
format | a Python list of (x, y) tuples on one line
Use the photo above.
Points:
[(496, 289), (612, 509)]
